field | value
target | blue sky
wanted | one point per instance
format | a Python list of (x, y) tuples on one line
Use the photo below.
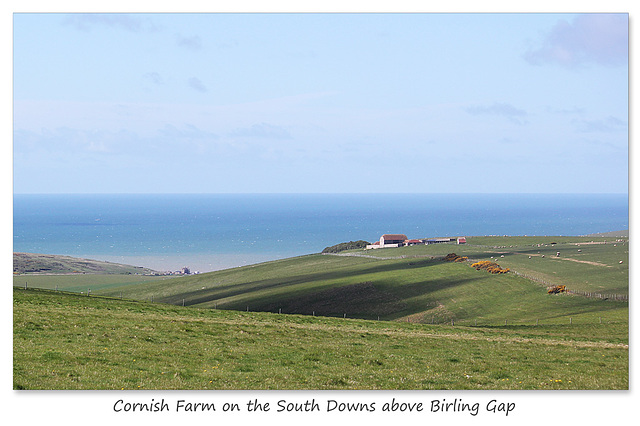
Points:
[(225, 103)]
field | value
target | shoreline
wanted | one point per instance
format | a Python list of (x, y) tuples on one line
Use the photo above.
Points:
[(197, 263), (210, 262)]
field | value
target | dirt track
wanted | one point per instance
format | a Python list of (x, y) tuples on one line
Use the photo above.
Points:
[(573, 260)]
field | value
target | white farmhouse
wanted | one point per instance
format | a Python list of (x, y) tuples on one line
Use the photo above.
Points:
[(392, 240)]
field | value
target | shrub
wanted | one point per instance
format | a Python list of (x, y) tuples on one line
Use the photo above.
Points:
[(489, 266), (557, 289), (452, 257), (351, 245)]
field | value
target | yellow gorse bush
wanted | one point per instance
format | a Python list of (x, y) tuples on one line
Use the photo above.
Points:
[(452, 257), (489, 266), (557, 289)]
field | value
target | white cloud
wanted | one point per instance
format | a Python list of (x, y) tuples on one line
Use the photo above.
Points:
[(606, 125), (262, 130), (513, 114), (165, 143), (197, 85), (188, 132), (74, 143), (153, 77), (128, 22), (591, 38), (193, 42)]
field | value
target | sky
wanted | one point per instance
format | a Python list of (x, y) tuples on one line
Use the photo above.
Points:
[(320, 103)]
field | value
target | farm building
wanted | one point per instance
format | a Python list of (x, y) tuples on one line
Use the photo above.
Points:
[(391, 239), (399, 240), (438, 240)]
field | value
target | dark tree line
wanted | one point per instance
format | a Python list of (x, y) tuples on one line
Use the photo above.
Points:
[(351, 245)]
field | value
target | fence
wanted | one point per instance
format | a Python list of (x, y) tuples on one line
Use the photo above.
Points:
[(370, 256), (533, 278), (421, 319), (616, 297)]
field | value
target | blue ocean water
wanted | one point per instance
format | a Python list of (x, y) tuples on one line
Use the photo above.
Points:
[(215, 231)]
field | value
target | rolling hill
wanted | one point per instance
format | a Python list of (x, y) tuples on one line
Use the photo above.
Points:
[(68, 341), (414, 284), (33, 263), (381, 319)]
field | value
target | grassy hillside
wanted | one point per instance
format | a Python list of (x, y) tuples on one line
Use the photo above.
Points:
[(589, 264), (69, 341), (73, 274), (621, 234), (82, 283), (419, 288), (448, 326), (32, 263)]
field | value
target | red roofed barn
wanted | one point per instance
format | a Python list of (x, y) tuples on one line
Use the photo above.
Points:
[(388, 239)]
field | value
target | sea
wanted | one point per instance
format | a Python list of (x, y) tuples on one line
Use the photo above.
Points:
[(208, 232)]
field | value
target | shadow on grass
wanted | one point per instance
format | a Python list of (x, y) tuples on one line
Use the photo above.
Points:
[(381, 299), (211, 294)]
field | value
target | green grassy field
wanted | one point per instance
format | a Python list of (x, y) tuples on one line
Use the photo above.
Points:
[(590, 264), (415, 289), (69, 341), (67, 273), (56, 264), (395, 319), (80, 283)]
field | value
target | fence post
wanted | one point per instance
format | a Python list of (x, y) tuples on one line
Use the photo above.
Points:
[(182, 302)]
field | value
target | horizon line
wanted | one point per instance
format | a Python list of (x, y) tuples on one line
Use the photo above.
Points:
[(321, 193)]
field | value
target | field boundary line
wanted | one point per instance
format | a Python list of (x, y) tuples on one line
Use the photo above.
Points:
[(608, 296), (611, 296), (368, 256)]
